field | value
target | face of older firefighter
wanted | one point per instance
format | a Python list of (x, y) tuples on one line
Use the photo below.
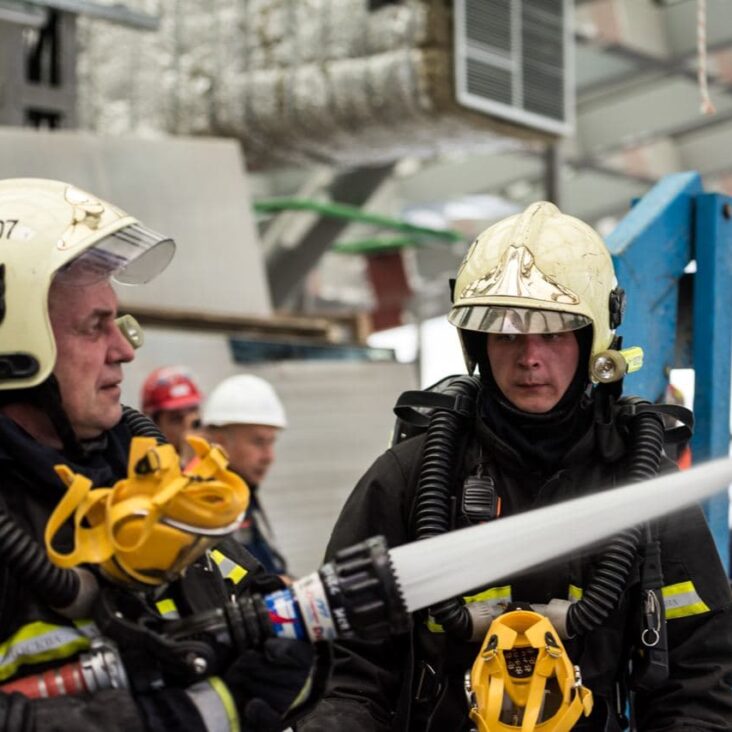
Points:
[(90, 352), (533, 371), (250, 448)]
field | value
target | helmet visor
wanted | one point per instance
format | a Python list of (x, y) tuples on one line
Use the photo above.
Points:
[(132, 256), (500, 319)]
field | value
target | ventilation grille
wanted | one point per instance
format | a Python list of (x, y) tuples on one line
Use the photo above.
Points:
[(513, 59)]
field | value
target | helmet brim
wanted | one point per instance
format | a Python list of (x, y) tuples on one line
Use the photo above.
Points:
[(132, 255), (516, 320)]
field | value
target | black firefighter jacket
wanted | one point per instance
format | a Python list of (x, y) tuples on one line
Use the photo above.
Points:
[(32, 636), (374, 684)]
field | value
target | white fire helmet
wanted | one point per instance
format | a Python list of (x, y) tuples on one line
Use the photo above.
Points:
[(51, 229), (244, 399), (540, 271)]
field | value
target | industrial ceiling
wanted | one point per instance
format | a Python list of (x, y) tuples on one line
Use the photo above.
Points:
[(643, 109), (639, 116)]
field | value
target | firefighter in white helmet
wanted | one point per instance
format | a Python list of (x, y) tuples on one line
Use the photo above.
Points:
[(62, 348), (536, 305), (245, 416)]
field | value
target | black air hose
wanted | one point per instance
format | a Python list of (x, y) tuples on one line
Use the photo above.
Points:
[(28, 560), (435, 488), (141, 425), (610, 576)]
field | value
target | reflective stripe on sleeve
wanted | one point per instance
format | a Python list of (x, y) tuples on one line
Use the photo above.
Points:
[(229, 569), (494, 596), (682, 600), (215, 705), (40, 642)]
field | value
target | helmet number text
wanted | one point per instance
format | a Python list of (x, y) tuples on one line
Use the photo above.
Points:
[(6, 227)]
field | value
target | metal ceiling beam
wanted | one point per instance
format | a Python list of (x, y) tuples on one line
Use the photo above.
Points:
[(22, 14), (288, 268), (681, 22), (118, 13), (676, 66), (661, 110), (477, 174)]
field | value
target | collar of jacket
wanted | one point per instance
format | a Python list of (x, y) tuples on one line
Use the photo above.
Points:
[(603, 438), (104, 462)]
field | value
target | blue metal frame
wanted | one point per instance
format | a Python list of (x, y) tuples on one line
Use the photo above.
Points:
[(651, 247), (670, 226), (712, 346)]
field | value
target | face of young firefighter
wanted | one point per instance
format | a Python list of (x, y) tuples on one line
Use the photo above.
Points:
[(90, 352), (533, 371)]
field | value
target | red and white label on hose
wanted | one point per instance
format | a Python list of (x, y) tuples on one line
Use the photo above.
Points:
[(316, 614)]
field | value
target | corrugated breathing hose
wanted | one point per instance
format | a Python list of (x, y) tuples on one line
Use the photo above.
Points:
[(433, 511), (610, 576), (435, 488), (27, 559)]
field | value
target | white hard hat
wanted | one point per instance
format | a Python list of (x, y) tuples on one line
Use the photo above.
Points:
[(244, 399)]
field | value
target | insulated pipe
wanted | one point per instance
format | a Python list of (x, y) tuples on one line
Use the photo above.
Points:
[(355, 214)]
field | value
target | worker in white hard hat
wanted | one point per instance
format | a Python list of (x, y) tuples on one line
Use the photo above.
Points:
[(244, 415), (83, 647), (645, 621)]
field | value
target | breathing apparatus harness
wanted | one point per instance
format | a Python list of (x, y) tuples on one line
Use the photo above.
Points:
[(446, 412)]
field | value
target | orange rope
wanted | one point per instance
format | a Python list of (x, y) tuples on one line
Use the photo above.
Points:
[(707, 107)]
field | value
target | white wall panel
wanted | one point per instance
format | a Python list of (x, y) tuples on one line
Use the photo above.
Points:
[(194, 189)]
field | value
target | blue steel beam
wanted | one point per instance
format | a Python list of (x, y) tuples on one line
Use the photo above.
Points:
[(651, 247), (671, 225), (712, 346)]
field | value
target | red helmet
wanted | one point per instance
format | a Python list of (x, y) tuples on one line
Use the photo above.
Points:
[(171, 387)]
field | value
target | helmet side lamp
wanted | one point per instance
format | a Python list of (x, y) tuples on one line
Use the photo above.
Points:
[(611, 365), (131, 330)]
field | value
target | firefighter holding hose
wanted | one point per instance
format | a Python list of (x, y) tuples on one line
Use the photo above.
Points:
[(64, 441), (639, 625)]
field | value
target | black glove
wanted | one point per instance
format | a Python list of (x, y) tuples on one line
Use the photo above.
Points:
[(265, 682)]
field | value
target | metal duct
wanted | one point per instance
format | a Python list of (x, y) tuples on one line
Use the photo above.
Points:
[(294, 80)]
